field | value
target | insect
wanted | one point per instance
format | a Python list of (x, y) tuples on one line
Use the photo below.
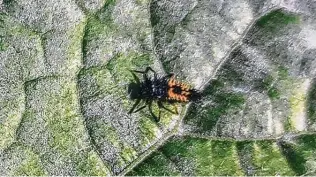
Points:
[(164, 89)]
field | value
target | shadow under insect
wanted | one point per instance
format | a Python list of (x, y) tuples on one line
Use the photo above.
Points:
[(160, 89)]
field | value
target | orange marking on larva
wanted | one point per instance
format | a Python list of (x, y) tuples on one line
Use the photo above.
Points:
[(184, 90), (171, 95), (176, 97), (185, 87), (183, 98), (171, 82), (185, 93), (180, 97)]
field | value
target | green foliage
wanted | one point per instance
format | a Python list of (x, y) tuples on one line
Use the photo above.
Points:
[(203, 156), (288, 124), (154, 17), (301, 154), (3, 44), (95, 27), (270, 26), (311, 102), (271, 85), (196, 156), (283, 73), (142, 2), (268, 84), (148, 129), (92, 165), (120, 65), (53, 103), (269, 160), (29, 162), (177, 146), (74, 49), (155, 165), (274, 93), (223, 101), (128, 154), (307, 143), (294, 158), (224, 157), (62, 122), (275, 20)]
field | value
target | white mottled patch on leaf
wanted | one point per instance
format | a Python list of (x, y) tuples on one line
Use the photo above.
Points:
[(298, 105)]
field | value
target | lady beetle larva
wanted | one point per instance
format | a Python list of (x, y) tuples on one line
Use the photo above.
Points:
[(164, 89)]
